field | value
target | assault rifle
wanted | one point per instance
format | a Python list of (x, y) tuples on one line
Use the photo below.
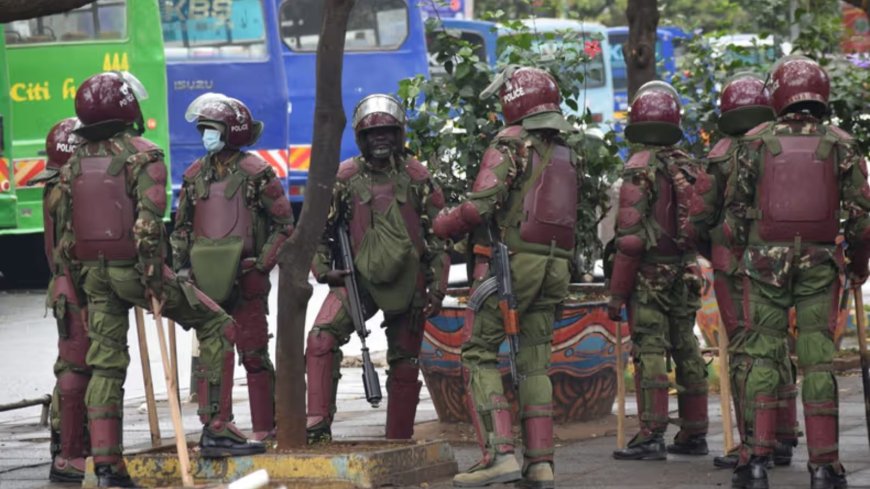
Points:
[(501, 283), (371, 383)]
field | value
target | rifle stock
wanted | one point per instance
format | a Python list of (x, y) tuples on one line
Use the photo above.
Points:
[(371, 382)]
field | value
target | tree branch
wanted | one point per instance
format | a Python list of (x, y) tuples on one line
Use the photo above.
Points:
[(27, 9), (298, 252)]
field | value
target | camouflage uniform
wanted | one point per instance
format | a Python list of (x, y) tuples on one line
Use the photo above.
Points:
[(801, 274), (397, 260), (722, 228), (665, 295), (243, 292), (526, 196), (113, 286), (66, 300)]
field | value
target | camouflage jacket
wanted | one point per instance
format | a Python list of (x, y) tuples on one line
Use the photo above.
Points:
[(772, 263), (640, 194), (264, 197), (421, 192)]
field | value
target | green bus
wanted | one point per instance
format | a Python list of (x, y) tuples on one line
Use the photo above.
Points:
[(48, 57), (7, 191)]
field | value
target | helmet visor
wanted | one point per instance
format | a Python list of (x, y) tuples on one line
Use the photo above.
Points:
[(201, 105), (138, 88), (659, 86)]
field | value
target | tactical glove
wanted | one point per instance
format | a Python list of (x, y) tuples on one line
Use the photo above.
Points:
[(614, 308), (334, 278)]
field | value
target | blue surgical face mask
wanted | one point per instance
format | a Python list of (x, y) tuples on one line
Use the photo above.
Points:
[(211, 140)]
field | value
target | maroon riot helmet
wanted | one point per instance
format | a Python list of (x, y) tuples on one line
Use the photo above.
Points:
[(654, 115), (109, 102), (530, 95), (744, 103), (799, 83), (61, 142), (378, 110), (228, 115)]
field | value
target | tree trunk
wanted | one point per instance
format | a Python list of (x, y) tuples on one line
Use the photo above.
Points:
[(640, 51), (297, 254), (27, 9)]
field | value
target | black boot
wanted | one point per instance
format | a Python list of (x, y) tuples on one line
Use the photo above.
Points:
[(827, 477), (228, 442), (752, 475), (729, 460), (652, 449), (321, 433), (693, 445), (782, 454), (107, 476)]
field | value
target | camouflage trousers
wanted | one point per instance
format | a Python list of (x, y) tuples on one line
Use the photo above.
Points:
[(540, 284), (661, 315), (333, 327), (813, 289), (740, 363), (111, 291)]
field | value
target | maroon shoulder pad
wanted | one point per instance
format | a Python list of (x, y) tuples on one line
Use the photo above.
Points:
[(347, 169), (142, 145), (841, 134), (721, 149), (193, 170), (641, 159), (759, 128), (252, 164), (416, 170)]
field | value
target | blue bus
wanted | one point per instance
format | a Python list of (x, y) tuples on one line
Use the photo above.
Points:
[(669, 49), (230, 47), (596, 91), (385, 43)]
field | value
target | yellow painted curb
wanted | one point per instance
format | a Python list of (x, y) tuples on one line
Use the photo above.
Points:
[(345, 464)]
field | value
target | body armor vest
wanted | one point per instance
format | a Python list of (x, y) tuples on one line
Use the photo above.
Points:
[(550, 206), (103, 213), (664, 213), (220, 216), (798, 194)]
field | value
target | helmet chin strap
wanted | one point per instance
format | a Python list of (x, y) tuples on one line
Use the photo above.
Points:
[(139, 125)]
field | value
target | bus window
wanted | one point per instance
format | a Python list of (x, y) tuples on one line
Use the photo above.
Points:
[(478, 44), (373, 25), (101, 20), (210, 29)]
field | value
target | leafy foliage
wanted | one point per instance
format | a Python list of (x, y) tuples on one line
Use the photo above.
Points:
[(450, 126), (703, 69)]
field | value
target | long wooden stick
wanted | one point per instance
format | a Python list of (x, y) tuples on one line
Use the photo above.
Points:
[(173, 354), (861, 321), (174, 406), (725, 388), (150, 402), (620, 391)]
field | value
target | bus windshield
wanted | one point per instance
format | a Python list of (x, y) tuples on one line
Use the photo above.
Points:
[(373, 25), (101, 20), (209, 29)]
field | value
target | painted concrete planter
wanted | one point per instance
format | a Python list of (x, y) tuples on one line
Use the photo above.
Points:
[(583, 363)]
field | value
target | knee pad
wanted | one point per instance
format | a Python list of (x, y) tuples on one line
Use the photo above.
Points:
[(320, 343), (255, 361), (404, 371)]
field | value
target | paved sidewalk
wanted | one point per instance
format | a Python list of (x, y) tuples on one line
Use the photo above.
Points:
[(24, 445)]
